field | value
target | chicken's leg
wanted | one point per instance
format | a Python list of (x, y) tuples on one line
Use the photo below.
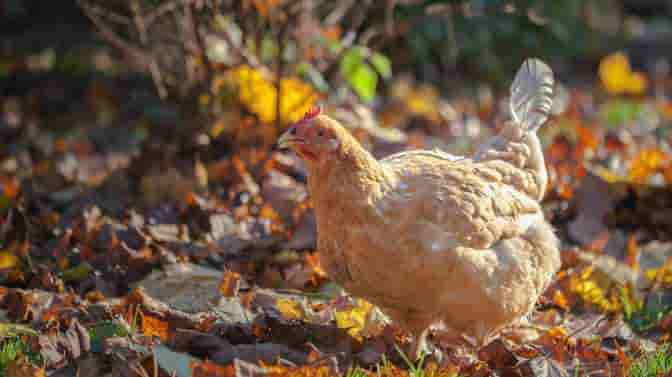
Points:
[(419, 346)]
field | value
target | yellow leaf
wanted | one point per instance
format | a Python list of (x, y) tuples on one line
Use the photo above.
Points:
[(664, 274), (617, 76), (8, 259), (289, 309), (354, 320), (560, 299), (608, 175), (615, 73), (557, 332), (595, 288), (258, 94)]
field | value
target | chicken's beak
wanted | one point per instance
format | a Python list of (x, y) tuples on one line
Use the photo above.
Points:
[(287, 140)]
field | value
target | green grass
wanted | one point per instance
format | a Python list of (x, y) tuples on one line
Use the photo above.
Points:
[(103, 330), (13, 347), (356, 372), (655, 364), (643, 316), (386, 369)]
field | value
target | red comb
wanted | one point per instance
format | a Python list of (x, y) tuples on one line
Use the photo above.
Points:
[(312, 112)]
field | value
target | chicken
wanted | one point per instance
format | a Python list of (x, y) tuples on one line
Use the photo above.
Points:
[(430, 237)]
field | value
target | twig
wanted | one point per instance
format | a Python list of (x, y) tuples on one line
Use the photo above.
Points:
[(160, 11), (280, 66), (339, 12), (245, 57), (138, 58), (153, 65), (112, 16), (189, 10)]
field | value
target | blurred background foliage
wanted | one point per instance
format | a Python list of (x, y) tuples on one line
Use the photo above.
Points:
[(238, 71), (358, 43)]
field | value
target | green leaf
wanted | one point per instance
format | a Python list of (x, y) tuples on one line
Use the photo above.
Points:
[(351, 60), (361, 78), (382, 64), (363, 81)]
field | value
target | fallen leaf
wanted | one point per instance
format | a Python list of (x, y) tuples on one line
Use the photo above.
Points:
[(210, 369), (153, 326), (355, 319), (289, 309), (230, 284), (646, 163), (21, 367)]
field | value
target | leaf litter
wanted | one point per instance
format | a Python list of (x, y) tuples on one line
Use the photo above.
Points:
[(149, 260)]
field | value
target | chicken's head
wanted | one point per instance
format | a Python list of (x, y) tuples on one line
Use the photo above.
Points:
[(313, 138)]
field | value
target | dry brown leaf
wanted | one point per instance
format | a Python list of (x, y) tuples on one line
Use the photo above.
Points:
[(21, 367), (230, 284)]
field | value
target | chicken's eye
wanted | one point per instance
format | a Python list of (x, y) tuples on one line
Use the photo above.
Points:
[(320, 133)]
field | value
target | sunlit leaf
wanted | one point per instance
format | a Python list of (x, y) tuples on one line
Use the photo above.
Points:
[(10, 187), (596, 288), (560, 300), (358, 74), (637, 83), (382, 64), (210, 369), (646, 163), (258, 93), (230, 284), (289, 309), (354, 320), (663, 274), (264, 7), (617, 76), (153, 326), (8, 259)]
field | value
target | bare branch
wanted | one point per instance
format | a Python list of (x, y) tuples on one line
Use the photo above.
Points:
[(153, 65), (160, 11), (242, 55), (137, 57), (189, 10)]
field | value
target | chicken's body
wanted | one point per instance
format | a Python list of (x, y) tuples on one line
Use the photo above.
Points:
[(430, 237)]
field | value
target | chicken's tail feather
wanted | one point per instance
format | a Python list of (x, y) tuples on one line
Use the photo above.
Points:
[(532, 95)]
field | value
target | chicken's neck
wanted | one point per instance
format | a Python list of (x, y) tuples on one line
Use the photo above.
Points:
[(349, 178)]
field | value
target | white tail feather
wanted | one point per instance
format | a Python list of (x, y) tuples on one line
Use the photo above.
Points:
[(532, 95)]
